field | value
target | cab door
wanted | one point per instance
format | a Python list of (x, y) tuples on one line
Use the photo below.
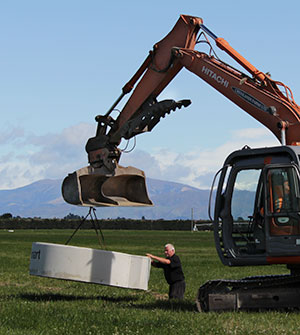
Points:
[(282, 214)]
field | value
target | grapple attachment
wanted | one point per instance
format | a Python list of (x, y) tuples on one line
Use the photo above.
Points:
[(88, 186)]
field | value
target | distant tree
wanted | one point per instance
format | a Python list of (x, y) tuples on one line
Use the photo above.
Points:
[(71, 216), (6, 216)]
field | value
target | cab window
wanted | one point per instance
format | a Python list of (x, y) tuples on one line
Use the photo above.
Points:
[(283, 200)]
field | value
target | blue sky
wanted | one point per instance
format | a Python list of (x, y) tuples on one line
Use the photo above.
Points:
[(64, 62)]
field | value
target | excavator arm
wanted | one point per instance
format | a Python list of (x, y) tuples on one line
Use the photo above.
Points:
[(142, 111), (104, 182)]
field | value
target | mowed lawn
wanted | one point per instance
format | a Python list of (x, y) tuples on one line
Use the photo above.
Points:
[(35, 305)]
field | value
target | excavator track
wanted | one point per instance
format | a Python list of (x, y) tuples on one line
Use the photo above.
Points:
[(250, 293)]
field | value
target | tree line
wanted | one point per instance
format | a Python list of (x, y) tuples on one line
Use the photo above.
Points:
[(74, 221)]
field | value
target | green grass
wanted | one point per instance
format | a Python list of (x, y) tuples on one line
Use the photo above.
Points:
[(35, 305)]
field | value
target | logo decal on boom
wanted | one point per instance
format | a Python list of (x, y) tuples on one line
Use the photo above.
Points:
[(250, 99), (213, 75)]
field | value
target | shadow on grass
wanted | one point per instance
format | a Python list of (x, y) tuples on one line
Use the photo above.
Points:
[(174, 305), (65, 297)]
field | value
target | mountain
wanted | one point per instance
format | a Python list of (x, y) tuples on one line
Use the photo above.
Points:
[(43, 199)]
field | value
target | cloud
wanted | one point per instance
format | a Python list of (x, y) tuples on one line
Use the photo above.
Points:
[(197, 167), (39, 157), (11, 136), (258, 134), (64, 148), (29, 157), (19, 173)]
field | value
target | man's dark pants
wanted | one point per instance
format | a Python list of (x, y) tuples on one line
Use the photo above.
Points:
[(176, 290)]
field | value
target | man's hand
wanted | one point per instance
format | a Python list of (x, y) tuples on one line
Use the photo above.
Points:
[(159, 259)]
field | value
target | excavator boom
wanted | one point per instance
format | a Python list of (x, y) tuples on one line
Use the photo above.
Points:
[(262, 100)]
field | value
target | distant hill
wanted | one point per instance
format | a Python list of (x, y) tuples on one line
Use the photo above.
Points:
[(43, 199)]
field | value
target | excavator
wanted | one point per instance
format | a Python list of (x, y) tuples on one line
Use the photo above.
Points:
[(263, 183)]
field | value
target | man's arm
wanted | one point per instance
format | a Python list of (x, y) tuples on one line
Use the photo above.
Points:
[(159, 259)]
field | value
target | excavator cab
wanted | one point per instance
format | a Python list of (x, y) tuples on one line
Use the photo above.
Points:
[(257, 209)]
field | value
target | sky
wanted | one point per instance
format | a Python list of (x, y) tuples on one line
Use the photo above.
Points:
[(64, 62)]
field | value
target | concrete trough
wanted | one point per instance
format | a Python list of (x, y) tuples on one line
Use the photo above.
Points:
[(90, 265)]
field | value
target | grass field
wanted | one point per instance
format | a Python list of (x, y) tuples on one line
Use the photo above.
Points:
[(36, 305)]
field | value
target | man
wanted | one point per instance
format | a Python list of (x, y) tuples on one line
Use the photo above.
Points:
[(172, 271), (283, 201)]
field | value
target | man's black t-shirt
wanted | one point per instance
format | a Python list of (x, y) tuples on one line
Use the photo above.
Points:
[(173, 271)]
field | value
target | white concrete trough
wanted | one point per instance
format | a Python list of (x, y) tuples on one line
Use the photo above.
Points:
[(89, 265)]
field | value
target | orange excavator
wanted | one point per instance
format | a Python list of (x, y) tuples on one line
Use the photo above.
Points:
[(257, 200)]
